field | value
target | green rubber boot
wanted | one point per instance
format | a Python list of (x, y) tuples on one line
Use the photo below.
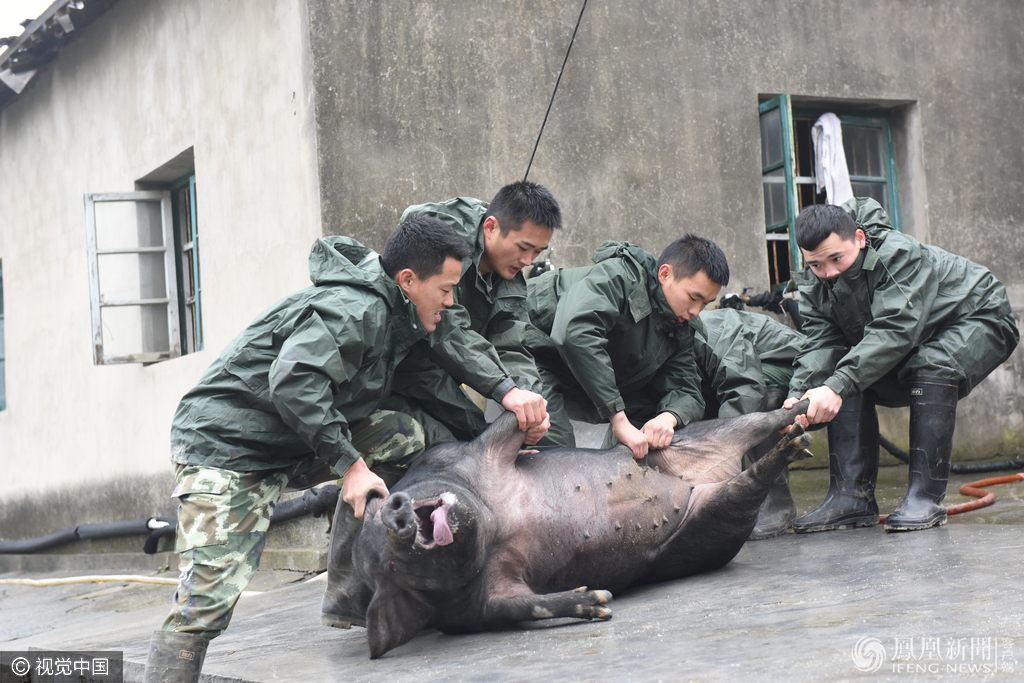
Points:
[(175, 657)]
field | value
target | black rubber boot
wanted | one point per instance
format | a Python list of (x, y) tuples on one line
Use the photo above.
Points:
[(778, 510), (347, 597), (932, 420), (853, 471), (175, 657)]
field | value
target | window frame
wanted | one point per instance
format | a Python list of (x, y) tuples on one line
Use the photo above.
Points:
[(170, 285), (182, 246), (788, 163)]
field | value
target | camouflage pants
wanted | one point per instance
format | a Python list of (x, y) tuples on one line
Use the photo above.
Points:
[(223, 517)]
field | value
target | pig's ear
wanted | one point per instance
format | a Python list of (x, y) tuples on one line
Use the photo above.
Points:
[(502, 440), (393, 618)]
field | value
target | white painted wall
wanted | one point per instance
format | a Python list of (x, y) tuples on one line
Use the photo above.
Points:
[(142, 84)]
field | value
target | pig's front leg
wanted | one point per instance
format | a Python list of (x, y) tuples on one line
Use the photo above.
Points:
[(578, 604)]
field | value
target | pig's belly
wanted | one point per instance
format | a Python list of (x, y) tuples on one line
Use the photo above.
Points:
[(596, 519)]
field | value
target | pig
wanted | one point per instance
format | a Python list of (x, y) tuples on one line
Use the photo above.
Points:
[(480, 536)]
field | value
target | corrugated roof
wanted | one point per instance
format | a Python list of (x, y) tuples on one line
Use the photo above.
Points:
[(42, 41)]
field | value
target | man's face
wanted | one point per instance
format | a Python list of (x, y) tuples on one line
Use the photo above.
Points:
[(508, 254), (834, 255), (687, 296), (433, 294)]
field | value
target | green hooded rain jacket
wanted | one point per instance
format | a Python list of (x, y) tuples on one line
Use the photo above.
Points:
[(740, 355), (615, 333), (900, 308), (288, 387)]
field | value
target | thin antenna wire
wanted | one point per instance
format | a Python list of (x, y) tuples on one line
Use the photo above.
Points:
[(557, 81)]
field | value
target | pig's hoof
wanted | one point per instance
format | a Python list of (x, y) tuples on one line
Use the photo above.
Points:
[(591, 605), (335, 622), (593, 612)]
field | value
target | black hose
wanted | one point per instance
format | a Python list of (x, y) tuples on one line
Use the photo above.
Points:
[(314, 502), (968, 468)]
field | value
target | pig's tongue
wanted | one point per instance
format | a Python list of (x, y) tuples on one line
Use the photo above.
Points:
[(442, 532)]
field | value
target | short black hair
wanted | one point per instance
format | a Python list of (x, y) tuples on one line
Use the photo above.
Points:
[(690, 255), (423, 244), (524, 201), (817, 222)]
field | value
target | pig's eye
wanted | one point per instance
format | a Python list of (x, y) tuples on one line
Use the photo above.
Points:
[(392, 567)]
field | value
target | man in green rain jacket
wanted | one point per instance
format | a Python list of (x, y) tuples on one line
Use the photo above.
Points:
[(889, 321), (295, 396), (504, 236), (617, 342), (746, 363)]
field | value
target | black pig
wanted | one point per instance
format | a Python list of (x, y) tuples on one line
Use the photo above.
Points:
[(477, 536)]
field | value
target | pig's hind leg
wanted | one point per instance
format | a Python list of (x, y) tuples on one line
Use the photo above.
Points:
[(720, 516), (577, 604), (711, 451)]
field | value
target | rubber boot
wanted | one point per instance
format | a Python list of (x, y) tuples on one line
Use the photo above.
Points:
[(175, 657), (347, 597), (778, 510), (853, 471), (932, 420)]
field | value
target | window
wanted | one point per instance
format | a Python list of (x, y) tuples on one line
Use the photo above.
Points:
[(144, 273), (186, 243), (787, 168), (3, 351)]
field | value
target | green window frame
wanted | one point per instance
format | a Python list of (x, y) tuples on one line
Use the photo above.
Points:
[(787, 170), (778, 182), (186, 240)]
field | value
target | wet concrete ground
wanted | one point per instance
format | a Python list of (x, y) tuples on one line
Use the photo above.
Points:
[(942, 604)]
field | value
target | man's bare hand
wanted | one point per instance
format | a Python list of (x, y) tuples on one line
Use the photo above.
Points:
[(358, 482), (531, 409), (535, 434), (824, 406), (659, 430), (626, 433)]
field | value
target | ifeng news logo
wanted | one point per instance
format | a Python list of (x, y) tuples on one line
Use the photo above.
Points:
[(977, 655)]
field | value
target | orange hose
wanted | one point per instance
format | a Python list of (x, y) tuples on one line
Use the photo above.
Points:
[(984, 498), (973, 488)]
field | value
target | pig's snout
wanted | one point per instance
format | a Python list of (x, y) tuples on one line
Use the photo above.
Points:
[(398, 516)]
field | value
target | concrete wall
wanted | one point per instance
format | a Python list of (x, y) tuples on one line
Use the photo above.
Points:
[(655, 127), (142, 84)]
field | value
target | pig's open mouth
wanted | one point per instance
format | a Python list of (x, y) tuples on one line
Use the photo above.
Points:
[(432, 518)]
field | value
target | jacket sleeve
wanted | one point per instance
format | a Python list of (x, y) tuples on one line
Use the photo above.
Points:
[(583, 320), (678, 382), (900, 307), (467, 356), (303, 380)]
